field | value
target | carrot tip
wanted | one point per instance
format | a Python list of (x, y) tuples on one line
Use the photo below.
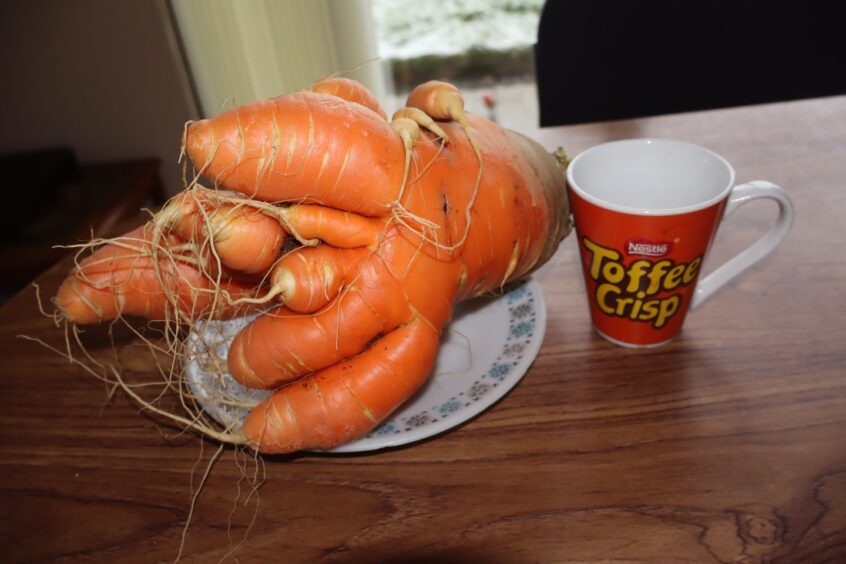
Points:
[(198, 140)]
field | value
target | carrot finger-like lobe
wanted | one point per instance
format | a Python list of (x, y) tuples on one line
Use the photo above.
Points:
[(345, 401), (245, 239), (310, 277), (305, 147), (242, 236), (338, 228), (440, 100), (282, 345)]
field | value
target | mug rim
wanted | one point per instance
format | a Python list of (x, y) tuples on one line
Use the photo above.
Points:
[(723, 194)]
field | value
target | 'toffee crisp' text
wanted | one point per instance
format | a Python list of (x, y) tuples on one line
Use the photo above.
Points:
[(632, 291)]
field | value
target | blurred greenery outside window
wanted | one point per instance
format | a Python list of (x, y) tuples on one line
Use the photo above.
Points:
[(482, 46)]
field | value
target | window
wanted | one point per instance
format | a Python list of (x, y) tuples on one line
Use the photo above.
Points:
[(482, 46)]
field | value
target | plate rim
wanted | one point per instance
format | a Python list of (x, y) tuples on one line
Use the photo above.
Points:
[(476, 408)]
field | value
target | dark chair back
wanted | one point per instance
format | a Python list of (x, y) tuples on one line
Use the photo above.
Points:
[(599, 60)]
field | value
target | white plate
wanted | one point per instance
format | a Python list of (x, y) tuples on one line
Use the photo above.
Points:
[(487, 348)]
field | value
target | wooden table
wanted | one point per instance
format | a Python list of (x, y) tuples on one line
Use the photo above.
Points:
[(727, 445)]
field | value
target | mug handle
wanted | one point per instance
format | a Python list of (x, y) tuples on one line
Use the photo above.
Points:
[(738, 196)]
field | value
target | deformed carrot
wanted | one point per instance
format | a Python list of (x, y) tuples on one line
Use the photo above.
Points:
[(364, 308)]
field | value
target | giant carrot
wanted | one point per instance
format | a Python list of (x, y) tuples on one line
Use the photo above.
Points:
[(405, 225)]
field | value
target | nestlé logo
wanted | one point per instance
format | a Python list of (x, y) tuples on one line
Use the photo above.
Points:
[(644, 248)]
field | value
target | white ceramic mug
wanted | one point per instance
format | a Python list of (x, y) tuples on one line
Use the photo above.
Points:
[(646, 212)]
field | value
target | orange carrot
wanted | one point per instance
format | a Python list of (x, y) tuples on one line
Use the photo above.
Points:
[(372, 304), (440, 100), (364, 309), (518, 220), (310, 277), (244, 238), (334, 405), (123, 278), (302, 148), (338, 228)]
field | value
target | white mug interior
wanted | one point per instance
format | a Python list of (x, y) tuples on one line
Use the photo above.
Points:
[(651, 176)]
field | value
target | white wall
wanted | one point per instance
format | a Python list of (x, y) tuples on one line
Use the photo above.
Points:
[(102, 77), (240, 51)]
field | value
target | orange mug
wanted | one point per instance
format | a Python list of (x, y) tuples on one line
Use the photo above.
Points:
[(646, 212)]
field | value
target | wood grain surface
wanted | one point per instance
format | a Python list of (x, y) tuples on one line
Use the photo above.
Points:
[(727, 445)]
